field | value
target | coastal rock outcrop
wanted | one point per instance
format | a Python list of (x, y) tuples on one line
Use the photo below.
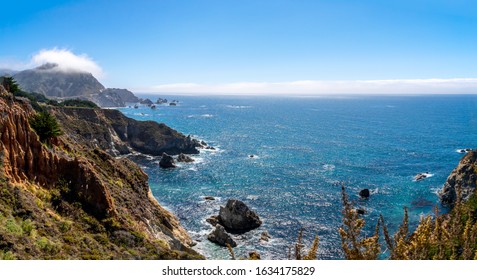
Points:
[(167, 161), (113, 97), (147, 102), (213, 220), (464, 177), (184, 158), (221, 237), (117, 134), (236, 216)]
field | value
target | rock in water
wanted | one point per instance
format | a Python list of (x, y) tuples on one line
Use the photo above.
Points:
[(465, 176), (184, 158), (167, 161), (265, 236), (364, 193), (236, 216), (219, 236), (421, 176), (254, 255), (213, 220)]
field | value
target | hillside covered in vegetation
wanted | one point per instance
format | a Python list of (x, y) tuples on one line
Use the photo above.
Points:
[(61, 199)]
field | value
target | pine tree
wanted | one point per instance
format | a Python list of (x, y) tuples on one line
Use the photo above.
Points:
[(46, 126)]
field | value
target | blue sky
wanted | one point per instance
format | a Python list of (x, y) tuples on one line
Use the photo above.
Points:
[(259, 46)]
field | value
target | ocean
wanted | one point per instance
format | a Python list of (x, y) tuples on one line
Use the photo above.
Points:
[(304, 149)]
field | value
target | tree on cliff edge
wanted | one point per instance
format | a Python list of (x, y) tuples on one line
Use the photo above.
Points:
[(9, 84), (45, 125)]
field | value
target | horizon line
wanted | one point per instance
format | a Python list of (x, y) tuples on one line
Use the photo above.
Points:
[(320, 87)]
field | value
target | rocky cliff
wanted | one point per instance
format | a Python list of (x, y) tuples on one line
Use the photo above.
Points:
[(462, 178), (114, 97), (111, 131), (68, 200)]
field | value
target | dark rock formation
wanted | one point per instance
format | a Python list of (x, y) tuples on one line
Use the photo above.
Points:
[(167, 161), (221, 237), (360, 211), (213, 220), (117, 134), (236, 216), (364, 193), (184, 158), (464, 176), (265, 236), (209, 198), (161, 101), (146, 102)]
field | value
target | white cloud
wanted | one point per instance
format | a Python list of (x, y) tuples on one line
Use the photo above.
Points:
[(321, 87), (67, 61)]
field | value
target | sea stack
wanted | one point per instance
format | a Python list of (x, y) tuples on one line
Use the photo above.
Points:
[(236, 216), (167, 161)]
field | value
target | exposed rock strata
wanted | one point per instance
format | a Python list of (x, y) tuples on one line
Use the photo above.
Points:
[(463, 177), (117, 134)]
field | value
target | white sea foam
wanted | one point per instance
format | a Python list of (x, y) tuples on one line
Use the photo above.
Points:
[(462, 151), (238, 107), (328, 167), (210, 151), (142, 114), (206, 116), (198, 160)]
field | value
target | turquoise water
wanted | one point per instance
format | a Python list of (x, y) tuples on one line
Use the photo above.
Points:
[(304, 148)]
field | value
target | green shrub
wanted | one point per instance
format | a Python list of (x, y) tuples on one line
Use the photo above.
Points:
[(7, 255), (78, 103), (46, 245), (27, 226), (12, 227), (45, 125)]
